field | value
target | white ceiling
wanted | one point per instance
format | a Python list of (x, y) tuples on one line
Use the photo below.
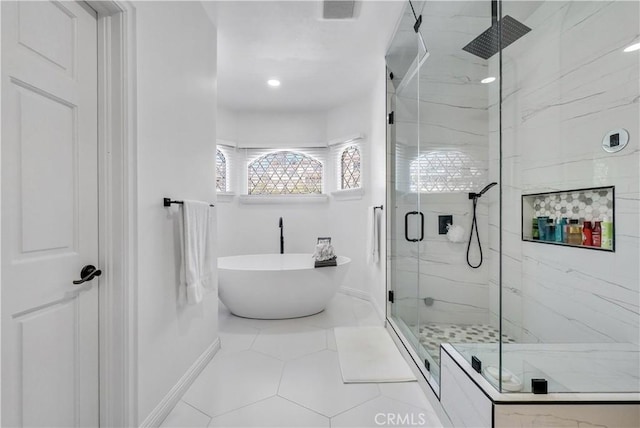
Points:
[(322, 64)]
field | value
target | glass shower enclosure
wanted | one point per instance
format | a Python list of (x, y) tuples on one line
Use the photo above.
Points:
[(438, 154), (520, 94)]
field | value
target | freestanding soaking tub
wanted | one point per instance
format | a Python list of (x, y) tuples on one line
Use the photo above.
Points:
[(277, 286)]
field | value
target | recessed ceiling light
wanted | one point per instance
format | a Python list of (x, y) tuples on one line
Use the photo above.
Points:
[(488, 79), (273, 82), (632, 48)]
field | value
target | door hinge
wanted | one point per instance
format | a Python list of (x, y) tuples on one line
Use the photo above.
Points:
[(391, 296), (391, 118), (418, 23), (476, 364)]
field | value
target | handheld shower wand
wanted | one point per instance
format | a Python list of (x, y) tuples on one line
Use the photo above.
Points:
[(474, 223), (473, 195)]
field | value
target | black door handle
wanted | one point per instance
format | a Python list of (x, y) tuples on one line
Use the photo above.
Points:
[(406, 226), (87, 274)]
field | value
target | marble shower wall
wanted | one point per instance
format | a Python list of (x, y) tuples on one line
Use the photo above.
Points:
[(565, 85), (458, 293)]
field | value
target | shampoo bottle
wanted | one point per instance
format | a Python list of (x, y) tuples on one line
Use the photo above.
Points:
[(606, 237), (559, 229), (551, 230), (542, 227), (596, 234), (575, 233), (587, 234)]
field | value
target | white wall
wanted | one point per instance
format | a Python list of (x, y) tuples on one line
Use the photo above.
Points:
[(349, 219), (253, 229), (563, 98), (247, 228), (375, 275), (274, 129), (176, 96), (226, 125)]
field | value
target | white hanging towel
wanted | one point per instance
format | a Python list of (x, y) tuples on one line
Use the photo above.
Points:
[(198, 253), (373, 228)]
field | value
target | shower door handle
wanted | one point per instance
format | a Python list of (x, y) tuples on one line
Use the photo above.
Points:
[(406, 226)]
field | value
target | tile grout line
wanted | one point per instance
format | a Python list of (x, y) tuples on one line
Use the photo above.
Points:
[(280, 380), (325, 325), (242, 407), (196, 409), (305, 407), (407, 402), (359, 404)]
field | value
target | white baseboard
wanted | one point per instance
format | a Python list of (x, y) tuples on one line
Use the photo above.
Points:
[(354, 292), (162, 410)]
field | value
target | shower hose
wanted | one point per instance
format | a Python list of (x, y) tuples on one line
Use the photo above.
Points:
[(474, 225)]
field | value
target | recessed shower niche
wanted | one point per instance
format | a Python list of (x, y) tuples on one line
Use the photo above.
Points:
[(581, 218)]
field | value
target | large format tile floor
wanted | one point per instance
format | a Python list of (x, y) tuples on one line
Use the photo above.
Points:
[(285, 373)]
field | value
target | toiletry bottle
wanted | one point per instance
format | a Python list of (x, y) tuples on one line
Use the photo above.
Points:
[(575, 233), (559, 227), (596, 234), (606, 238), (565, 230), (542, 227), (587, 234), (535, 234), (551, 230)]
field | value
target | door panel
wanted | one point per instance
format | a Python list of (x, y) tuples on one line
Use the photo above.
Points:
[(47, 331), (49, 30), (47, 130), (49, 214)]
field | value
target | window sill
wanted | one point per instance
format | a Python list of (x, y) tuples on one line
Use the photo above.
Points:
[(283, 199), (225, 196), (348, 194)]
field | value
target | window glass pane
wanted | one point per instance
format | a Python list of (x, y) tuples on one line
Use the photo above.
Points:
[(350, 167), (221, 172), (281, 173), (445, 171)]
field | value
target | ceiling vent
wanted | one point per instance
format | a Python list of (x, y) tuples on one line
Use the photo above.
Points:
[(338, 9)]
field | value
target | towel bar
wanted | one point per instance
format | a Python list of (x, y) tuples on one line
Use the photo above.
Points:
[(167, 202)]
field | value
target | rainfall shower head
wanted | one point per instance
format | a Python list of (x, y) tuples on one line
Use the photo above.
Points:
[(486, 44)]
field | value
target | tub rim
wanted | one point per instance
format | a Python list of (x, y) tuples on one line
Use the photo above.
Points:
[(342, 260)]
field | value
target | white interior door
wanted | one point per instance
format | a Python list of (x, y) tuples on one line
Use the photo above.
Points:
[(49, 214)]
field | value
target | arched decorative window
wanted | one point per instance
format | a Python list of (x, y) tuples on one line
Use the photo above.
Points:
[(445, 171), (221, 172), (350, 168), (285, 172)]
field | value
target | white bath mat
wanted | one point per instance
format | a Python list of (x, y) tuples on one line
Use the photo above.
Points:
[(368, 354)]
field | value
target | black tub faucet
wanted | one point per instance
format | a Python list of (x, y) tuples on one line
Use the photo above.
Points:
[(281, 237)]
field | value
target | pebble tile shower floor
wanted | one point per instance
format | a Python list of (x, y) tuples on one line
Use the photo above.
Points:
[(433, 334), (285, 373)]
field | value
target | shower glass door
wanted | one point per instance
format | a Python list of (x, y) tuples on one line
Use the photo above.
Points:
[(406, 221), (440, 148)]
